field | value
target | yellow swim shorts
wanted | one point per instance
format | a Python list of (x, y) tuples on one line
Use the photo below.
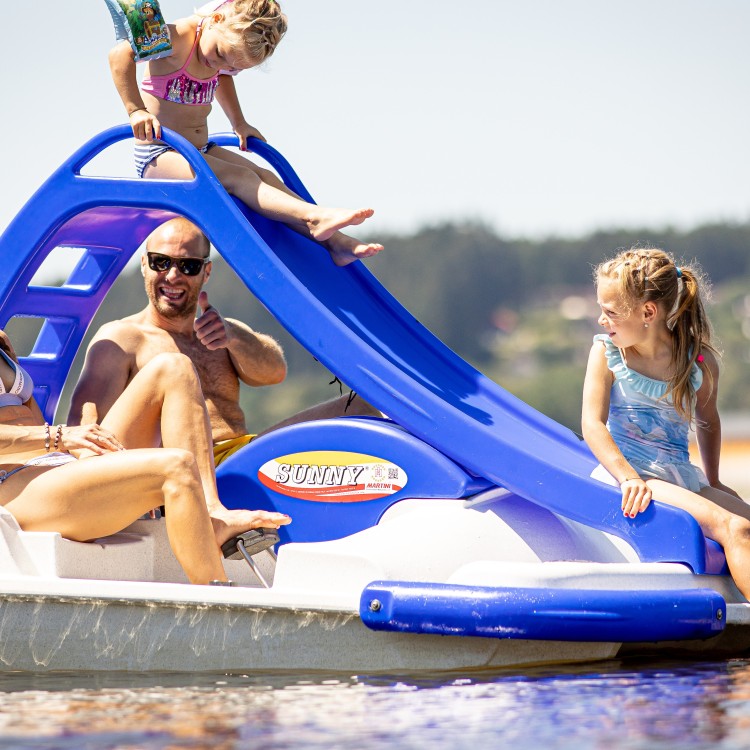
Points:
[(225, 448)]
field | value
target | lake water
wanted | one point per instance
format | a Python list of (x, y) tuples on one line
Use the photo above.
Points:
[(685, 705)]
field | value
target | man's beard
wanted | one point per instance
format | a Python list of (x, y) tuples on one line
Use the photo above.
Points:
[(174, 311)]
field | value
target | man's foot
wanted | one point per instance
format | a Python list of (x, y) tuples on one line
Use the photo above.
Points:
[(345, 249), (325, 222), (230, 523)]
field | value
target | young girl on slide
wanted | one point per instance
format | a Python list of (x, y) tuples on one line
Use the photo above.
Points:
[(651, 375), (209, 47)]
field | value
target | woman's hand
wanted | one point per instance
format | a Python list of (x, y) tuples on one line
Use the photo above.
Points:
[(245, 131), (145, 126), (88, 437), (636, 496)]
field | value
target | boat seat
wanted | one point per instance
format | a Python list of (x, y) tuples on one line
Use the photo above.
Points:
[(141, 552)]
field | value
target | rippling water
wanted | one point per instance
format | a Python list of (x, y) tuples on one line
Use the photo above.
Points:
[(616, 705)]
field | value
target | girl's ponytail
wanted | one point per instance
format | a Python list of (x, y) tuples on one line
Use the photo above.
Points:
[(691, 331)]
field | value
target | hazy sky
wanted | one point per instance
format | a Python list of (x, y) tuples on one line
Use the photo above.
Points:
[(535, 117)]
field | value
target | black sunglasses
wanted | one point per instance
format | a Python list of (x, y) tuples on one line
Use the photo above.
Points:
[(188, 266)]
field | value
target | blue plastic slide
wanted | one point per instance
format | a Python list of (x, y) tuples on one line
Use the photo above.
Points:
[(341, 315)]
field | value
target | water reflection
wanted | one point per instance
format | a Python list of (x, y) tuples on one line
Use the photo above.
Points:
[(617, 705)]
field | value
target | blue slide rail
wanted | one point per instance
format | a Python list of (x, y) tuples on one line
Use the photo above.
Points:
[(342, 315)]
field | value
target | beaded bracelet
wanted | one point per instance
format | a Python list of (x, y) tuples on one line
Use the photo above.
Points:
[(46, 436), (58, 435)]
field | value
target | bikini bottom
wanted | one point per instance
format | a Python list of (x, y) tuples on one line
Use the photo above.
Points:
[(48, 459), (145, 153)]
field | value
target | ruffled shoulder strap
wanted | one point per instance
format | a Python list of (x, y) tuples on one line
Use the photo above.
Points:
[(640, 383), (619, 368), (615, 362)]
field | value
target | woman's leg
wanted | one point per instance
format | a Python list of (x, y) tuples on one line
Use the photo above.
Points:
[(98, 496), (164, 405), (722, 517), (265, 193)]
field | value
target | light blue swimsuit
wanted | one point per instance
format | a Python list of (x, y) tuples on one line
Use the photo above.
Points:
[(646, 427)]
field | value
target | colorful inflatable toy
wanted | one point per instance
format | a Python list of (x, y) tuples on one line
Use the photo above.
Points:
[(141, 23)]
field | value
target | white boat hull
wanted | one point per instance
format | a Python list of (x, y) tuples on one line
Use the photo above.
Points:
[(67, 608)]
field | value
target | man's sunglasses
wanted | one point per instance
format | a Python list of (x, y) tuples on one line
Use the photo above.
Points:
[(188, 266)]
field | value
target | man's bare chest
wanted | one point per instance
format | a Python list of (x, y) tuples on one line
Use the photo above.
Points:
[(214, 368)]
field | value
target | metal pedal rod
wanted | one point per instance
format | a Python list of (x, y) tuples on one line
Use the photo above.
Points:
[(241, 549)]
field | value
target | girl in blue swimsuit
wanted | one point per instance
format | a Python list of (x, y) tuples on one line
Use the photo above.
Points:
[(92, 480), (650, 376)]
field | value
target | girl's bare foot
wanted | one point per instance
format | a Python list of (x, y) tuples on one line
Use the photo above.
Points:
[(324, 223), (345, 249), (229, 523)]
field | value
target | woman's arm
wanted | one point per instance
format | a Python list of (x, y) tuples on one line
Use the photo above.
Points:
[(21, 427), (596, 388), (23, 434), (226, 95), (708, 422), (18, 435)]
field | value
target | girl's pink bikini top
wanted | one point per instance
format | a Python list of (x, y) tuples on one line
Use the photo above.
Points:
[(180, 87)]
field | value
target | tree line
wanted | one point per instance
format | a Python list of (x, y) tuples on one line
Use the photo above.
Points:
[(494, 300)]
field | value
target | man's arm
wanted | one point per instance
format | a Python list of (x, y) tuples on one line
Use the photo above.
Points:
[(257, 358), (106, 372)]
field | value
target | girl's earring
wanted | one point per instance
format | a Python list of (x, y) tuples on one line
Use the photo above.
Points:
[(645, 325)]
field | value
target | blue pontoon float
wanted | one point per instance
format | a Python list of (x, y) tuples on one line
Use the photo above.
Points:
[(462, 532)]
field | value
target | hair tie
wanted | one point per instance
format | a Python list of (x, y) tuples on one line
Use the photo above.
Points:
[(671, 319)]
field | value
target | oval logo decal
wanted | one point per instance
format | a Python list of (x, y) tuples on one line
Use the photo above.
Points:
[(332, 476)]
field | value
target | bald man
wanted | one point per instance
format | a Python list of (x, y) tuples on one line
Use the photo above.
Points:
[(225, 352)]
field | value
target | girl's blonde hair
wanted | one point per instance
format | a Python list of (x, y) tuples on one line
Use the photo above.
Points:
[(253, 27), (651, 275)]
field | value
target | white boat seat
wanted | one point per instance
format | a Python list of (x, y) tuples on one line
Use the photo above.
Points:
[(141, 552)]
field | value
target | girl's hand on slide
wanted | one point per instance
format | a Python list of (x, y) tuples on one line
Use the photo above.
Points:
[(91, 437), (246, 131), (145, 126), (636, 496)]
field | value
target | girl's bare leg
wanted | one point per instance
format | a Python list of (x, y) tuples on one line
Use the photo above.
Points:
[(343, 248), (98, 496), (722, 517), (265, 193), (164, 405)]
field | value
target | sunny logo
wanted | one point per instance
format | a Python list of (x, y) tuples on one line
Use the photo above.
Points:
[(332, 476)]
